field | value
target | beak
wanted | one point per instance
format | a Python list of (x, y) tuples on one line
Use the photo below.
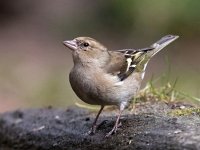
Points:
[(71, 44)]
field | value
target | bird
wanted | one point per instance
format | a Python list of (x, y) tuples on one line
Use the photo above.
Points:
[(109, 77)]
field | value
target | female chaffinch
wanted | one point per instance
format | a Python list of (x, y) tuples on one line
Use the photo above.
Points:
[(104, 77)]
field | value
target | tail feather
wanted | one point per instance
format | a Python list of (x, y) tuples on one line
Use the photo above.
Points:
[(160, 44), (137, 59)]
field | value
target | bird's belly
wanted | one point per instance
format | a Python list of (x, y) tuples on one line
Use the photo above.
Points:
[(95, 93)]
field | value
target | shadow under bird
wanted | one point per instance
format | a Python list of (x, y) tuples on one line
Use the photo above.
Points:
[(109, 77)]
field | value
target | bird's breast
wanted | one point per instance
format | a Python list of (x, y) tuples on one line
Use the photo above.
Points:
[(82, 84)]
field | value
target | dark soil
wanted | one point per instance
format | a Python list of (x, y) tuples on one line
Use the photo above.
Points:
[(149, 127)]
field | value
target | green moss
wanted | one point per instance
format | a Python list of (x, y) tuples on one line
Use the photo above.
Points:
[(165, 93), (162, 89), (185, 112)]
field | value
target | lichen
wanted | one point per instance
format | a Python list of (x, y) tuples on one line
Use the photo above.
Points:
[(185, 112)]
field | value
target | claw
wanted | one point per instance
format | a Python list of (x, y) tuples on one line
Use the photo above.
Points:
[(92, 131), (114, 130)]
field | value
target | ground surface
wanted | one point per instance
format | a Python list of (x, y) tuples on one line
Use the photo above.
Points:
[(150, 126)]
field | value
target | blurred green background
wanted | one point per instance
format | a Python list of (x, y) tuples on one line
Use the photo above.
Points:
[(34, 65)]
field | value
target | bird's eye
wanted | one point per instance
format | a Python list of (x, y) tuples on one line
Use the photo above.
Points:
[(85, 44)]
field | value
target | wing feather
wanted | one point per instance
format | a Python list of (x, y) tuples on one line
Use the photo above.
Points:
[(126, 61)]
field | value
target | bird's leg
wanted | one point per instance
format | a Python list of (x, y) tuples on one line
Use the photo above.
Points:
[(117, 124), (94, 125)]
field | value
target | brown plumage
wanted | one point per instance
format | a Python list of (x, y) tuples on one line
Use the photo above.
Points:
[(103, 77)]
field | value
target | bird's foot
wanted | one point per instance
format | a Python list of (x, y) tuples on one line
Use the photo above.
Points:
[(114, 130), (92, 131), (119, 125)]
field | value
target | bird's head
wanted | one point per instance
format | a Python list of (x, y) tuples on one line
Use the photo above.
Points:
[(86, 49), (84, 44)]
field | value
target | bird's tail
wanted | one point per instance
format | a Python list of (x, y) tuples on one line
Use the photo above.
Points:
[(145, 54), (160, 44), (137, 59)]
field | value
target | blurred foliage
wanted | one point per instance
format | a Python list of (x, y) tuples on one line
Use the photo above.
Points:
[(11, 11), (141, 18)]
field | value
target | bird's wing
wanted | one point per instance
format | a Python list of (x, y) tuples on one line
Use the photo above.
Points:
[(126, 61), (133, 60), (123, 62)]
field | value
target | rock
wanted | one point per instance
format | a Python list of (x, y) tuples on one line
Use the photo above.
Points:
[(151, 126)]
